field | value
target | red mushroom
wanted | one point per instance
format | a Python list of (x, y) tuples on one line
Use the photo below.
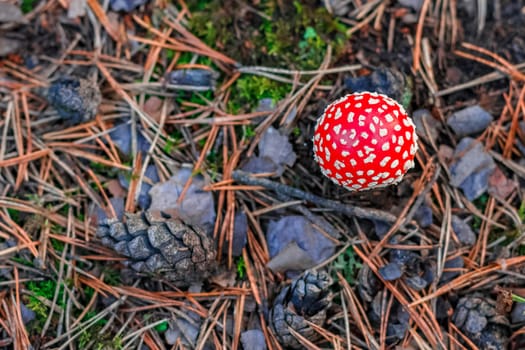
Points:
[(365, 140)]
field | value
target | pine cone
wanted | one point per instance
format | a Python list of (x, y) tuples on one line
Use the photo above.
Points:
[(76, 100), (168, 247), (477, 317), (305, 299)]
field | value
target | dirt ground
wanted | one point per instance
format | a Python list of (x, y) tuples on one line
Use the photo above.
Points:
[(159, 190)]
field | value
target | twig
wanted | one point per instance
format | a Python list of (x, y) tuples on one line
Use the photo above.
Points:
[(363, 213)]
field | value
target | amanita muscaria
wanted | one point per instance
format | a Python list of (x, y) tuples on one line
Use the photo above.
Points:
[(365, 140)]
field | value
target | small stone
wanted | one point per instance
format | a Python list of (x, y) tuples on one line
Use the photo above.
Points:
[(298, 229), (276, 147), (518, 313), (391, 271), (192, 77), (416, 282), (427, 127), (423, 216), (471, 168), (387, 81), (470, 120), (253, 339), (463, 231), (454, 263), (126, 5), (27, 314)]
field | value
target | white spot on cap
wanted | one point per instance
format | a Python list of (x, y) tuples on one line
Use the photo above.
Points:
[(380, 110), (328, 137), (361, 181), (375, 178), (326, 126), (317, 137), (338, 176), (400, 141), (385, 174), (373, 141), (408, 164), (384, 106), (338, 113), (356, 186), (407, 122), (337, 129), (408, 135), (358, 104), (350, 117), (372, 128), (334, 145), (347, 105), (396, 113), (360, 154), (386, 146), (368, 149), (372, 184), (343, 141), (389, 118), (353, 162), (373, 101), (364, 135), (397, 127), (385, 160), (370, 158), (361, 119), (375, 119), (389, 181), (394, 138), (345, 153), (383, 132), (327, 155), (405, 155), (397, 149), (368, 110), (349, 175), (356, 142), (353, 134), (370, 172), (394, 164), (359, 97), (332, 108), (338, 164), (398, 172), (360, 172)]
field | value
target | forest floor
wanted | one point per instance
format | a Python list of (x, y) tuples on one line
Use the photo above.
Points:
[(205, 110)]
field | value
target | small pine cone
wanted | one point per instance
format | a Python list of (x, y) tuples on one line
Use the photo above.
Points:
[(76, 100), (305, 299), (477, 317), (168, 247)]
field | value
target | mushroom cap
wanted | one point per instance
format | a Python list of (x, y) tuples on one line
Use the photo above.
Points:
[(365, 140)]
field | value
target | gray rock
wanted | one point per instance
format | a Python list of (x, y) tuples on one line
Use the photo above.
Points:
[(427, 127), (455, 263), (198, 206), (28, 315), (471, 168), (126, 5), (470, 120), (423, 216), (277, 148), (150, 174), (413, 4), (518, 313), (253, 340), (192, 77), (240, 232), (391, 271), (298, 229), (463, 231), (121, 137)]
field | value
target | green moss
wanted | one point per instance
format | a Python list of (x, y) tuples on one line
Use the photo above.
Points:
[(348, 264), (250, 89), (295, 35)]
